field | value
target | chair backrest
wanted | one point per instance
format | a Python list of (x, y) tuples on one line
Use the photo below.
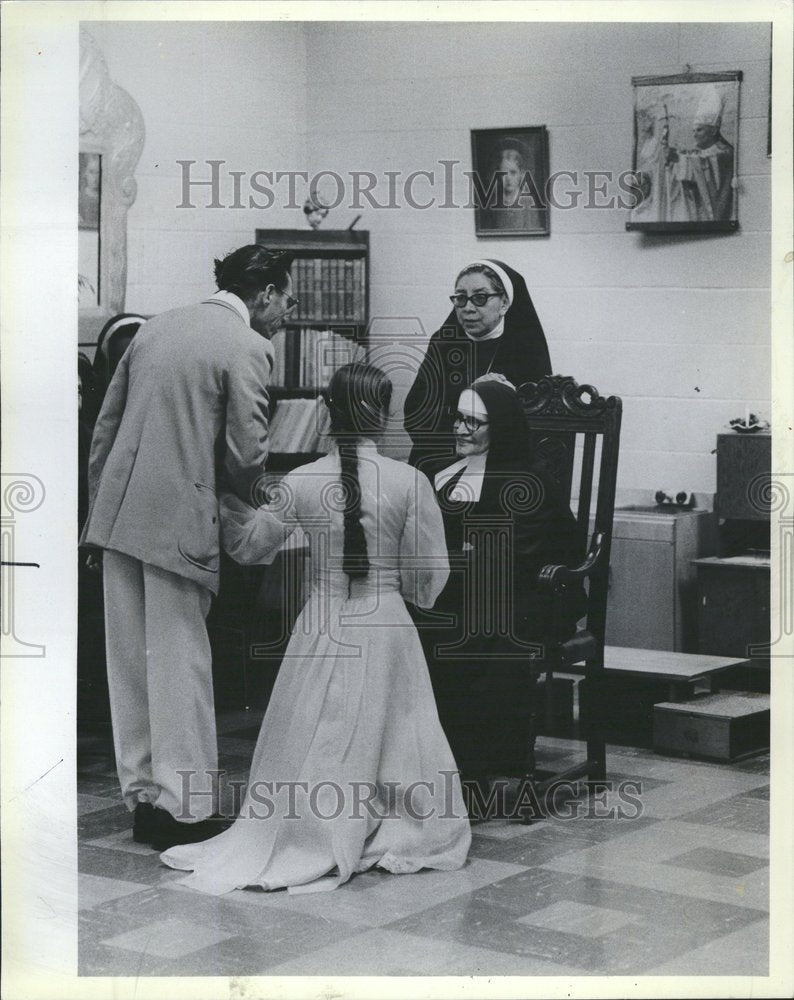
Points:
[(575, 432), (114, 339), (89, 396)]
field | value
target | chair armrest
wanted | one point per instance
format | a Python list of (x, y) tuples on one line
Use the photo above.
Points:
[(554, 578)]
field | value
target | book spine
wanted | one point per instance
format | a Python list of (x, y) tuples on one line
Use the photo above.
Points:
[(300, 291), (297, 285), (329, 288), (348, 293), (277, 342), (358, 298), (318, 289), (329, 356), (311, 353)]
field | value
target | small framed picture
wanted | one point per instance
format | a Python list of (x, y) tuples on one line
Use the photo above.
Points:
[(89, 190), (89, 196), (509, 180), (686, 144)]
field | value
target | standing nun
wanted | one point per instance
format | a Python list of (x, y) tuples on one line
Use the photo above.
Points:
[(493, 327)]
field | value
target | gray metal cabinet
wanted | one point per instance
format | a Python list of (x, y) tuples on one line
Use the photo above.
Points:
[(653, 586)]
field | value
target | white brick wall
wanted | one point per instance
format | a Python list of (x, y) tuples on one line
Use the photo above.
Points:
[(678, 325), (232, 91)]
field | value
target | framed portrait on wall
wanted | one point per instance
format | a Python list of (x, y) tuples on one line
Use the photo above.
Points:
[(769, 106), (509, 179), (686, 144), (89, 197), (110, 143)]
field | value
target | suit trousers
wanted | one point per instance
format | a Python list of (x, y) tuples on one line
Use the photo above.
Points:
[(160, 683)]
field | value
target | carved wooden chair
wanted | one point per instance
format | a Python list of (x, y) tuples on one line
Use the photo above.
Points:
[(114, 339), (575, 432)]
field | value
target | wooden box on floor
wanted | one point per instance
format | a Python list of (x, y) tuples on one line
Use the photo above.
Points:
[(715, 727)]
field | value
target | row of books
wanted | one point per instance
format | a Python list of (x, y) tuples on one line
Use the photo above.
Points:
[(319, 354), (279, 341), (332, 289), (300, 425)]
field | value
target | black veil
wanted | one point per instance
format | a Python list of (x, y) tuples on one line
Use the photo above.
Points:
[(453, 361)]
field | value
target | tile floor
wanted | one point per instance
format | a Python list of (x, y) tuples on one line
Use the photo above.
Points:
[(679, 886)]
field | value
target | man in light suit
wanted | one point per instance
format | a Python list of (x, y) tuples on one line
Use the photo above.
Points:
[(186, 413)]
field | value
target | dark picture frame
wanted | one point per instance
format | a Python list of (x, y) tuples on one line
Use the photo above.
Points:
[(769, 104), (110, 144), (89, 190), (686, 145), (89, 199), (509, 181)]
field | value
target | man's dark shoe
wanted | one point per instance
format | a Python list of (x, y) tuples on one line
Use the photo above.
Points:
[(169, 832), (143, 823)]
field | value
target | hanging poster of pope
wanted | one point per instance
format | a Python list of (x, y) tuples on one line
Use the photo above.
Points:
[(685, 152)]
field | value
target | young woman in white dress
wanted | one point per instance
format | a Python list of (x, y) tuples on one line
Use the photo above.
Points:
[(351, 769)]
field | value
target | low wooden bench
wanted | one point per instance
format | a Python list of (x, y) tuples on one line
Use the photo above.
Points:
[(680, 671), (637, 679)]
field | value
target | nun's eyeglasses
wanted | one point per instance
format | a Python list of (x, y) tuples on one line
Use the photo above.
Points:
[(471, 424), (479, 299)]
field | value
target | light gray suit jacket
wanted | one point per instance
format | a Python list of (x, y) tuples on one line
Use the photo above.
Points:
[(185, 414)]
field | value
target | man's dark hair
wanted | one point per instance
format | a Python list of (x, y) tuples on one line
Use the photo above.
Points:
[(251, 269)]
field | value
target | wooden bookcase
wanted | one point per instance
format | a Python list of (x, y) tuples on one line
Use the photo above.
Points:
[(252, 618), (734, 587), (330, 276)]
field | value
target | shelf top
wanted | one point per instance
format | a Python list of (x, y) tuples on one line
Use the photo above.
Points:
[(314, 239), (745, 561), (728, 705), (760, 434), (297, 391), (664, 664), (335, 325)]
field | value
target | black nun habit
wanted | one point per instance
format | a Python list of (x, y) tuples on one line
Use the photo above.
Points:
[(453, 361)]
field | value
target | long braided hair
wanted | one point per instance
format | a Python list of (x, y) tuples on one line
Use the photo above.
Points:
[(358, 399)]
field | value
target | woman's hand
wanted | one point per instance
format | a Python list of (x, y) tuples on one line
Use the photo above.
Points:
[(253, 535), (231, 503)]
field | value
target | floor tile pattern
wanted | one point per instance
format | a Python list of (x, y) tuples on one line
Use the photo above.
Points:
[(671, 881)]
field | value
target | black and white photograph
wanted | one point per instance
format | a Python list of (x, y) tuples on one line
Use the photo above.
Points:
[(685, 152), (89, 190), (512, 171), (88, 198), (393, 604)]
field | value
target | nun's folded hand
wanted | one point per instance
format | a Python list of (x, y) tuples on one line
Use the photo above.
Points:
[(494, 377)]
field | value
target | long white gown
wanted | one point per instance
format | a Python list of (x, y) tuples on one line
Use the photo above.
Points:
[(351, 768)]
